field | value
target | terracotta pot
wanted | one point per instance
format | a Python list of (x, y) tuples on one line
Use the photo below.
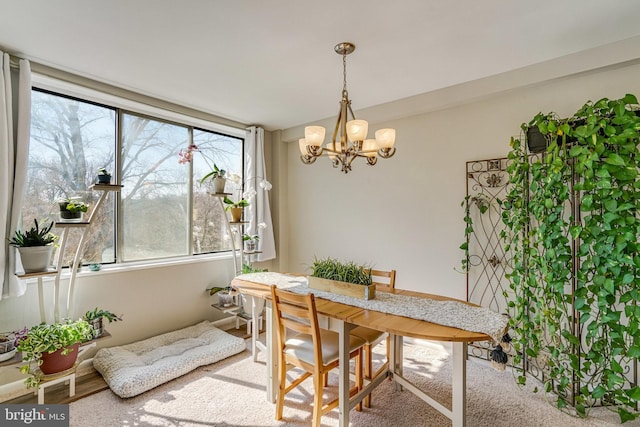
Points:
[(236, 214), (56, 362)]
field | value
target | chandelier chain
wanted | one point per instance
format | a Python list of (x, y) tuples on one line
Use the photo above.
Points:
[(344, 73)]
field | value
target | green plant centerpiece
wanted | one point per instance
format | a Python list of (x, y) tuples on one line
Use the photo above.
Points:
[(345, 278), (572, 226), (72, 209), (235, 208), (96, 318), (44, 341), (35, 246)]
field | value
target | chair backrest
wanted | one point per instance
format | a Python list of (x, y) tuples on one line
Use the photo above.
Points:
[(297, 313), (385, 281)]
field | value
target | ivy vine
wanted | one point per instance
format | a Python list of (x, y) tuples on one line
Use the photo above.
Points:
[(572, 226)]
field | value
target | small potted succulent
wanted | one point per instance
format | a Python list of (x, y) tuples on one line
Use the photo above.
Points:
[(235, 208), (35, 247), (217, 175), (95, 318), (104, 177), (52, 348), (71, 210)]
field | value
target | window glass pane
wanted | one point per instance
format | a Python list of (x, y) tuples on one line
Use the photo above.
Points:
[(210, 231), (155, 196), (70, 140)]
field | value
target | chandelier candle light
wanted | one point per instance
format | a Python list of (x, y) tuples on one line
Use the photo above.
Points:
[(352, 141)]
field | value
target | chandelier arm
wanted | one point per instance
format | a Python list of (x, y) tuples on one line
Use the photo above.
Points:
[(343, 123), (307, 160), (353, 116), (372, 160), (387, 152), (337, 129), (314, 150), (351, 158)]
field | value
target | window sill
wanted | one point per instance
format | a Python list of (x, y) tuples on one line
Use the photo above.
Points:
[(143, 265)]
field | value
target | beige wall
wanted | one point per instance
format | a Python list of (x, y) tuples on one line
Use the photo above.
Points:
[(152, 300), (405, 212)]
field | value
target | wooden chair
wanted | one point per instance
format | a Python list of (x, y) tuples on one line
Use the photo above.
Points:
[(385, 281), (310, 348)]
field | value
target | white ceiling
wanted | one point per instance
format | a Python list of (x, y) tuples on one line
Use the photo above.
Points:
[(272, 63)]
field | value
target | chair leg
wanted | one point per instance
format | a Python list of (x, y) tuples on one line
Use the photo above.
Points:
[(359, 376), (325, 379), (317, 400), (282, 371), (368, 371)]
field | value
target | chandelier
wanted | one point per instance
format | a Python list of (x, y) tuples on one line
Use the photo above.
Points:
[(349, 137)]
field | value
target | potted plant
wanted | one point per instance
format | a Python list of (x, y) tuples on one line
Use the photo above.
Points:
[(345, 278), (235, 208), (52, 348), (217, 176), (72, 209), (104, 177), (225, 295), (95, 318), (35, 247), (250, 241), (7, 347)]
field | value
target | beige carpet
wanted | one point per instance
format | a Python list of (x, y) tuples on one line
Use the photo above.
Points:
[(232, 393)]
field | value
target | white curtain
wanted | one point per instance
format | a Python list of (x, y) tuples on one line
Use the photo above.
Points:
[(14, 148), (258, 211)]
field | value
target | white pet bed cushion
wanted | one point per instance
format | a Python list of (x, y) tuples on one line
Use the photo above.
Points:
[(135, 368)]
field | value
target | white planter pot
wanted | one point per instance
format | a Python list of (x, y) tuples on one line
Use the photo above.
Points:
[(35, 258), (218, 184)]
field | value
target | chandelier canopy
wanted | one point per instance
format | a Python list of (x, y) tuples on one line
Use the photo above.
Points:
[(350, 136)]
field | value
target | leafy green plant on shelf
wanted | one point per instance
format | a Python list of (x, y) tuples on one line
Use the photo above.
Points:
[(49, 338), (579, 200), (35, 236), (96, 318)]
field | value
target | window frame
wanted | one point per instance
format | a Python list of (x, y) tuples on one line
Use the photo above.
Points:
[(122, 106)]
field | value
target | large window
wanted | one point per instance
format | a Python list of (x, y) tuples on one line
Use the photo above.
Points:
[(162, 211)]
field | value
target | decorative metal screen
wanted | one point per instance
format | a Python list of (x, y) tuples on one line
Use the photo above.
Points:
[(488, 264)]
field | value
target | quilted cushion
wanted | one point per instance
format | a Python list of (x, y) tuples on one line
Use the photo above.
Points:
[(135, 368)]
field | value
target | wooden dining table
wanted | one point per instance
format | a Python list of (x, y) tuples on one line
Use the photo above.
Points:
[(344, 318)]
